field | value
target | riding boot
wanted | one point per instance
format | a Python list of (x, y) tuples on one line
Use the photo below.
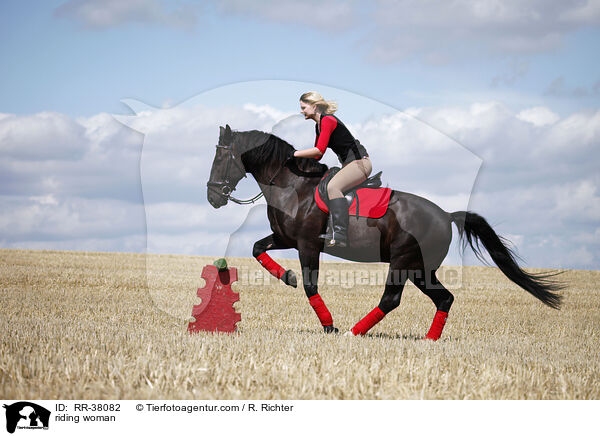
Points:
[(338, 209)]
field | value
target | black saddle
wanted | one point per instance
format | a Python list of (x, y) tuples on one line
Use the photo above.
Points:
[(372, 182)]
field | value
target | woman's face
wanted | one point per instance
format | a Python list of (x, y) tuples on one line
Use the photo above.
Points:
[(308, 110)]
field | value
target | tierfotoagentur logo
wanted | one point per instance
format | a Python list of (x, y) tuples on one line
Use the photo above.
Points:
[(27, 416)]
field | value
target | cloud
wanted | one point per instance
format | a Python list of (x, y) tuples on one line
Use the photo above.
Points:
[(579, 202), (135, 243), (49, 153), (552, 221), (52, 218), (327, 16), (417, 156), (517, 69), (388, 31), (559, 88), (103, 14), (385, 31), (42, 136), (516, 152), (538, 181), (539, 176), (538, 116), (267, 112), (447, 30)]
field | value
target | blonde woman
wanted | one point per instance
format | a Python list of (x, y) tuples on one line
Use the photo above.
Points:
[(356, 165)]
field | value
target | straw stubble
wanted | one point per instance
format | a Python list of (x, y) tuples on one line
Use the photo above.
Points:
[(78, 325)]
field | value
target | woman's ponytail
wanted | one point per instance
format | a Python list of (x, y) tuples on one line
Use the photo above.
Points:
[(312, 97)]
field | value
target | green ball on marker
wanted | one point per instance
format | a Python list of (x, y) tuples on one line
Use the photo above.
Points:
[(221, 264)]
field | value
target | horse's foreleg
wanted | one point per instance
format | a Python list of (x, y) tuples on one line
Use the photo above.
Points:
[(441, 297), (389, 301), (259, 251), (309, 261)]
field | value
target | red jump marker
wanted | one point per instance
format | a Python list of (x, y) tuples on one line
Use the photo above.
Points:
[(216, 313)]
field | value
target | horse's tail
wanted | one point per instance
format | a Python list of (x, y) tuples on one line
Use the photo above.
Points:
[(473, 228)]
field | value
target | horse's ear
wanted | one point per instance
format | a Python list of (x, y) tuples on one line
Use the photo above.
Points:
[(227, 134)]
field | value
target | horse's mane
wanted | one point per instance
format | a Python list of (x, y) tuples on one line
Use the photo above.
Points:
[(262, 148)]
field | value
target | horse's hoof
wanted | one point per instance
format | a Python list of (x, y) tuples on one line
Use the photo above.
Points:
[(349, 333), (289, 278), (330, 329)]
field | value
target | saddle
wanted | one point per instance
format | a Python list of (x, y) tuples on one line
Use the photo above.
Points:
[(366, 199)]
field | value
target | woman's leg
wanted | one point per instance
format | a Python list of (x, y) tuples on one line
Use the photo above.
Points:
[(351, 175)]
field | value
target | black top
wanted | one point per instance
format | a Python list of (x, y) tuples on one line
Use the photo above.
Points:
[(332, 133)]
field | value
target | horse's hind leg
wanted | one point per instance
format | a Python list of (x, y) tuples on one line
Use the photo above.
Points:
[(259, 251), (441, 297), (389, 301)]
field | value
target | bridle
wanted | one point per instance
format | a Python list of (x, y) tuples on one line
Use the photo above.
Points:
[(225, 188)]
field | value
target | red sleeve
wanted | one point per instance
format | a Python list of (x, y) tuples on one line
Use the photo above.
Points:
[(328, 124)]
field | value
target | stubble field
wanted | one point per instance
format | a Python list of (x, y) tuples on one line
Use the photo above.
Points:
[(76, 325)]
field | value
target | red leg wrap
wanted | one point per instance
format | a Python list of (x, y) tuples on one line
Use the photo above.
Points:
[(273, 267), (365, 324), (321, 310), (437, 326)]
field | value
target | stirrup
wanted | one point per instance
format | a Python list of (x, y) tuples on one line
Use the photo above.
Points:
[(328, 235), (340, 242)]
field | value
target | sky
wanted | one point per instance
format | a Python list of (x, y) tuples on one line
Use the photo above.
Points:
[(110, 112)]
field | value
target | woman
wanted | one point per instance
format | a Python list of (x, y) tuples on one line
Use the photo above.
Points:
[(356, 165)]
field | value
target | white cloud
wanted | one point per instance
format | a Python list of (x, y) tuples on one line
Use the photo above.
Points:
[(134, 243), (266, 111), (447, 30), (584, 257), (102, 14), (190, 243), (579, 202), (538, 116), (53, 154), (577, 133), (591, 238), (414, 157), (538, 181), (386, 31), (560, 88), (437, 32), (516, 70), (583, 12), (45, 199), (171, 217), (42, 136), (333, 15), (50, 218)]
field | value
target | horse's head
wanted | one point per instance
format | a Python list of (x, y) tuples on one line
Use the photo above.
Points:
[(227, 169)]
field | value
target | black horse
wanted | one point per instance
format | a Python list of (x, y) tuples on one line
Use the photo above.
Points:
[(413, 236)]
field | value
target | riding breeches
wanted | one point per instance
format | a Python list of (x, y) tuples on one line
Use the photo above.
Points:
[(350, 175)]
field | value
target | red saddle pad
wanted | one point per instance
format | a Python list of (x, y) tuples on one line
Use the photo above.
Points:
[(372, 203)]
